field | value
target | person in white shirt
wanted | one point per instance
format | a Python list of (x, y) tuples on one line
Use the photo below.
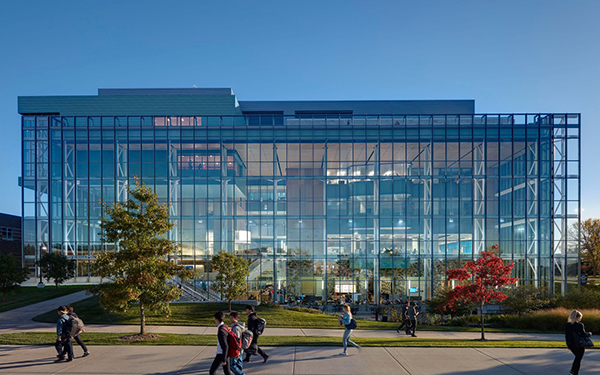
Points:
[(222, 336)]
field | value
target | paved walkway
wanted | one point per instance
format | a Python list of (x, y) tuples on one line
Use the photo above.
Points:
[(188, 360), (19, 320)]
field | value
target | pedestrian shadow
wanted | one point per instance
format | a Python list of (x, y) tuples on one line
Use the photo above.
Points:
[(25, 364), (204, 366)]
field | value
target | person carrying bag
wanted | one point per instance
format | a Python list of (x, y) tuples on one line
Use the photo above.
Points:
[(577, 339), (349, 324)]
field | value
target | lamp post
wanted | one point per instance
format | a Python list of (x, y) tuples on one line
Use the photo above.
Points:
[(41, 283)]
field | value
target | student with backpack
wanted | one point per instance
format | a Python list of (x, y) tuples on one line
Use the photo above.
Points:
[(349, 324), (222, 345), (256, 325), (237, 328), (63, 334), (78, 328)]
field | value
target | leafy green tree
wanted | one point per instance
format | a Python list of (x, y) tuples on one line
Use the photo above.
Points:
[(232, 272), (524, 299), (299, 265), (589, 233), (58, 267), (11, 274), (139, 272)]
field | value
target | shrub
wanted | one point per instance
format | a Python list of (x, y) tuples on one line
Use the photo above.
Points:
[(438, 304), (523, 299), (588, 298), (465, 321), (547, 320), (395, 315), (270, 305), (305, 310)]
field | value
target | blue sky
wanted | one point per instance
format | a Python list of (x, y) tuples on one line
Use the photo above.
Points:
[(510, 56)]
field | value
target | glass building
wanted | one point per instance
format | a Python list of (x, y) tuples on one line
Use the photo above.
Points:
[(374, 199)]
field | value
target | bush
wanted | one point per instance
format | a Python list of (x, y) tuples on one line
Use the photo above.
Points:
[(270, 305), (438, 304), (395, 315), (588, 298), (305, 310), (466, 321), (523, 299), (547, 320)]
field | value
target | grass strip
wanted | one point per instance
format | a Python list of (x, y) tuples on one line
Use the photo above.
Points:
[(201, 314), (101, 338)]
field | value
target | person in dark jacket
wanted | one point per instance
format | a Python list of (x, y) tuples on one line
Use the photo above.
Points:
[(412, 313), (573, 329), (403, 317), (222, 346), (252, 327), (76, 337), (64, 344)]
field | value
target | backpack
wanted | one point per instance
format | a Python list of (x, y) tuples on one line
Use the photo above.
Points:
[(76, 326), (247, 337), (260, 326), (234, 343)]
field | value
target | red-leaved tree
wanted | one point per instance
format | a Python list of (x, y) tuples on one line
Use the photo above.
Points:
[(482, 280)]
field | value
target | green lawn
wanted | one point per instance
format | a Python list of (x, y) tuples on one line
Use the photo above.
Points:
[(201, 314), (92, 338), (29, 295)]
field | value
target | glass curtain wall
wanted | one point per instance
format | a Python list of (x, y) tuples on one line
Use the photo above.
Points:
[(324, 207)]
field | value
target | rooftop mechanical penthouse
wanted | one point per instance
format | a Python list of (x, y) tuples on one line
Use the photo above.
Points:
[(372, 200)]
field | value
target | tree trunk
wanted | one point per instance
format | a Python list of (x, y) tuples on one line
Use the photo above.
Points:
[(4, 296), (56, 287), (481, 313), (142, 320), (229, 305)]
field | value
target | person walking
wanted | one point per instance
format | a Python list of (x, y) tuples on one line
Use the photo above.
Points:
[(235, 364), (222, 346), (253, 327), (63, 335), (573, 330), (77, 338), (412, 313), (403, 317), (347, 321)]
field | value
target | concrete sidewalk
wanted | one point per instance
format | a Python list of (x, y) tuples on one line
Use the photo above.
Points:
[(188, 360)]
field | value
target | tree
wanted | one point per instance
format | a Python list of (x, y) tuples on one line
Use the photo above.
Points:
[(11, 274), (523, 299), (232, 272), (482, 279), (299, 265), (58, 267), (589, 232), (139, 272)]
